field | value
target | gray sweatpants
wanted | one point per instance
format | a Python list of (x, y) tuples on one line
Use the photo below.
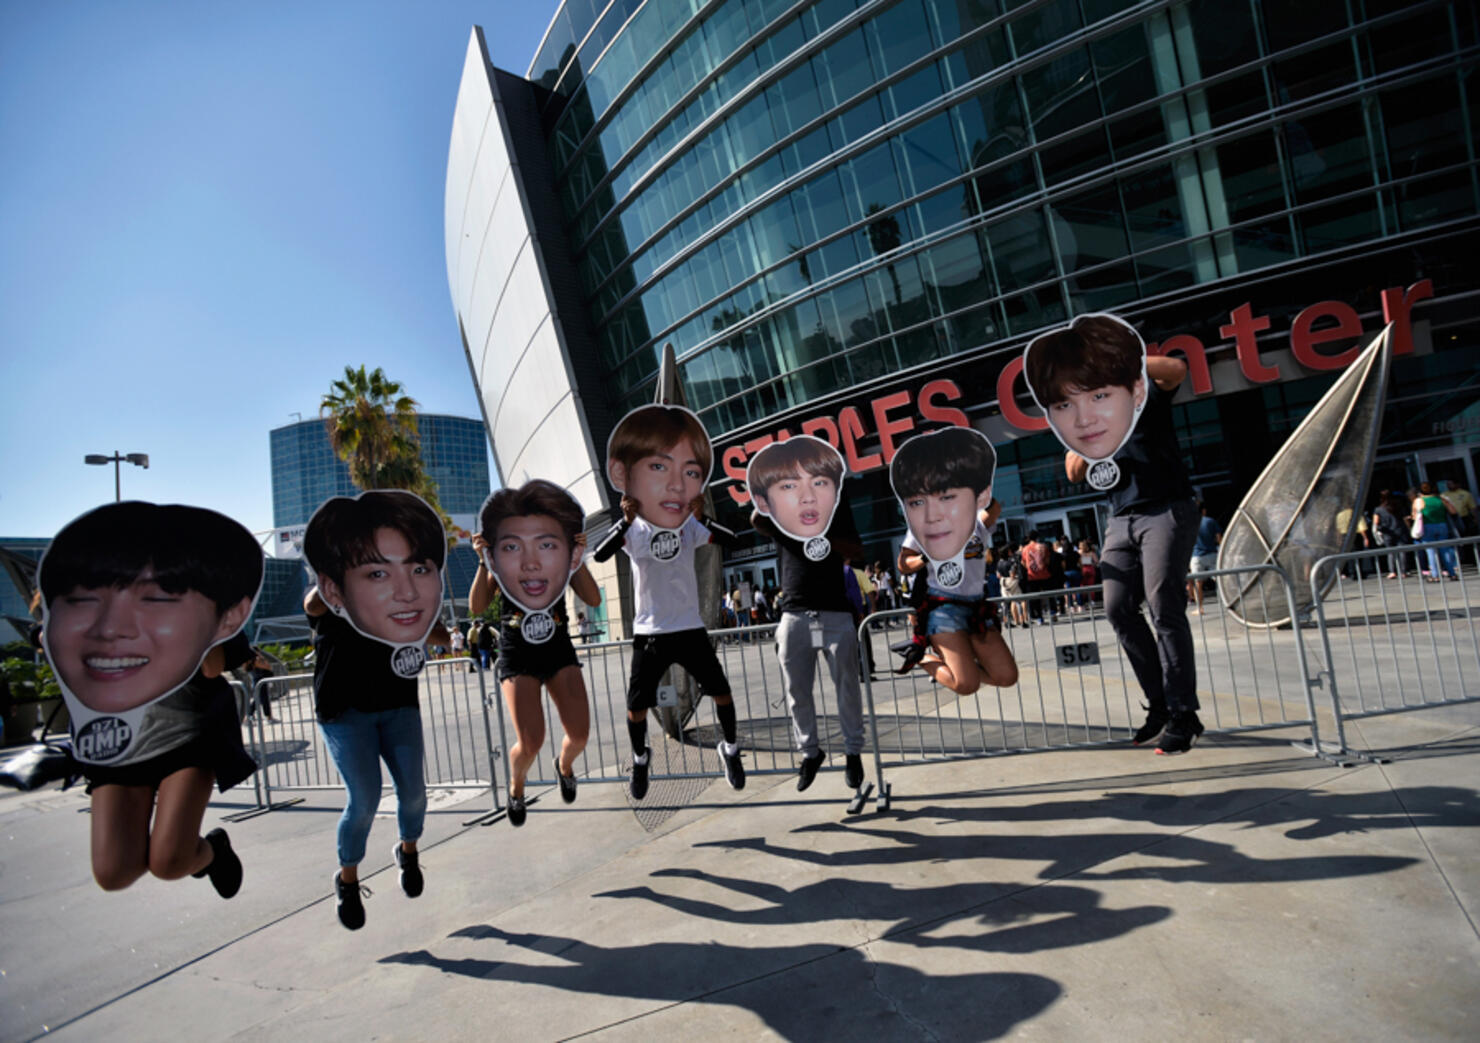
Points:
[(799, 668), (1145, 559)]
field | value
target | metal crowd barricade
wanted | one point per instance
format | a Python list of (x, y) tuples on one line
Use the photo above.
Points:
[(291, 756), (1389, 645), (1075, 687), (683, 738)]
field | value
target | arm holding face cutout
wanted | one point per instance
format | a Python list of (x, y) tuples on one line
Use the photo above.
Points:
[(581, 580), (480, 595)]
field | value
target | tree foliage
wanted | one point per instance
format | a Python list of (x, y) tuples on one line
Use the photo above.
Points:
[(372, 427)]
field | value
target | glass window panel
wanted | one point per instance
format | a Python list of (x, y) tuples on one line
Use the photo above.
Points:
[(1263, 244), (1137, 133), (1337, 224), (875, 182), (898, 36), (1327, 152), (927, 155), (1435, 199), (944, 208), (1417, 122), (1314, 72), (1033, 310), (1081, 154), (1167, 269), (1102, 289), (843, 69), (1251, 176), (1153, 208), (1236, 99), (1019, 250), (1286, 25), (877, 360), (918, 89), (975, 326), (1045, 25), (1223, 34), (775, 231), (838, 255), (1123, 67), (861, 119), (1061, 94), (1089, 228)]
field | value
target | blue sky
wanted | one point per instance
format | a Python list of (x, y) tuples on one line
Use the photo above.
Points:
[(208, 211)]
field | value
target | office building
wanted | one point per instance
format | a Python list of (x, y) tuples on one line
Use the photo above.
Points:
[(849, 217)]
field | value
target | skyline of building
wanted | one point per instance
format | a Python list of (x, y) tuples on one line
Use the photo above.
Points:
[(849, 219), (306, 471)]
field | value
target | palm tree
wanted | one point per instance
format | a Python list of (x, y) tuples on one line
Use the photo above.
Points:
[(372, 427)]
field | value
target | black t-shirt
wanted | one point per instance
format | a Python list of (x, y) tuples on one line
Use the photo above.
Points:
[(353, 672), (812, 586), (1151, 469)]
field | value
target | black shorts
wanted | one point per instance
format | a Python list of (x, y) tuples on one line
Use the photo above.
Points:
[(518, 658), (652, 654), (220, 752)]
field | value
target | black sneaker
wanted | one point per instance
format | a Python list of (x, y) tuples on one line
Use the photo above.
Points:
[(517, 811), (348, 904), (1181, 732), (913, 651), (808, 770), (1156, 720), (411, 878), (853, 773), (225, 869), (567, 786), (639, 785), (734, 770)]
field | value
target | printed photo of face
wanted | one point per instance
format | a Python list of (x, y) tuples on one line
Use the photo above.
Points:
[(394, 600), (1096, 423), (801, 506), (943, 522), (117, 648), (533, 560), (663, 484)]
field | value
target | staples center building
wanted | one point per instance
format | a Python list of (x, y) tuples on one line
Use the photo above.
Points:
[(848, 217)]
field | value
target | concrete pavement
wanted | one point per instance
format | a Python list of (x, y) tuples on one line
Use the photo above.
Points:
[(1244, 890)]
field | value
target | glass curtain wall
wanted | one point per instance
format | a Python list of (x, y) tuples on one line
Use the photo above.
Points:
[(808, 196)]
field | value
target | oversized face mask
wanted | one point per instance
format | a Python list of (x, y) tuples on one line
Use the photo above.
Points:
[(134, 596), (660, 456), (1090, 380), (943, 480), (530, 547), (378, 562), (797, 484)]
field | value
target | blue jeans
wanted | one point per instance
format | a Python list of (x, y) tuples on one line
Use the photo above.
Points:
[(1432, 533), (1145, 559), (357, 741)]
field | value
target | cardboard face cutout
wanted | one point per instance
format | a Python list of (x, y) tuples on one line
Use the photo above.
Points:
[(529, 537), (797, 483), (660, 456), (1090, 380), (943, 480), (377, 560), (134, 595)]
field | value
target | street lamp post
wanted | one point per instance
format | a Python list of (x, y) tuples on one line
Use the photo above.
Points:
[(142, 459)]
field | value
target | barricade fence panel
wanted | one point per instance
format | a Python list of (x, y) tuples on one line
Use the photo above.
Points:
[(1075, 686), (683, 739), (1390, 642), (283, 736)]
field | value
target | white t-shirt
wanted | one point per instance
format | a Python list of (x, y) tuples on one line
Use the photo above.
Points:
[(974, 574), (663, 581)]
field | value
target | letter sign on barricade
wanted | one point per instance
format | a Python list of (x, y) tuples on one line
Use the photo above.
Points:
[(1085, 653)]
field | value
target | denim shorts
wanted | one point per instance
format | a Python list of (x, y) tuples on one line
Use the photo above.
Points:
[(951, 616)]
